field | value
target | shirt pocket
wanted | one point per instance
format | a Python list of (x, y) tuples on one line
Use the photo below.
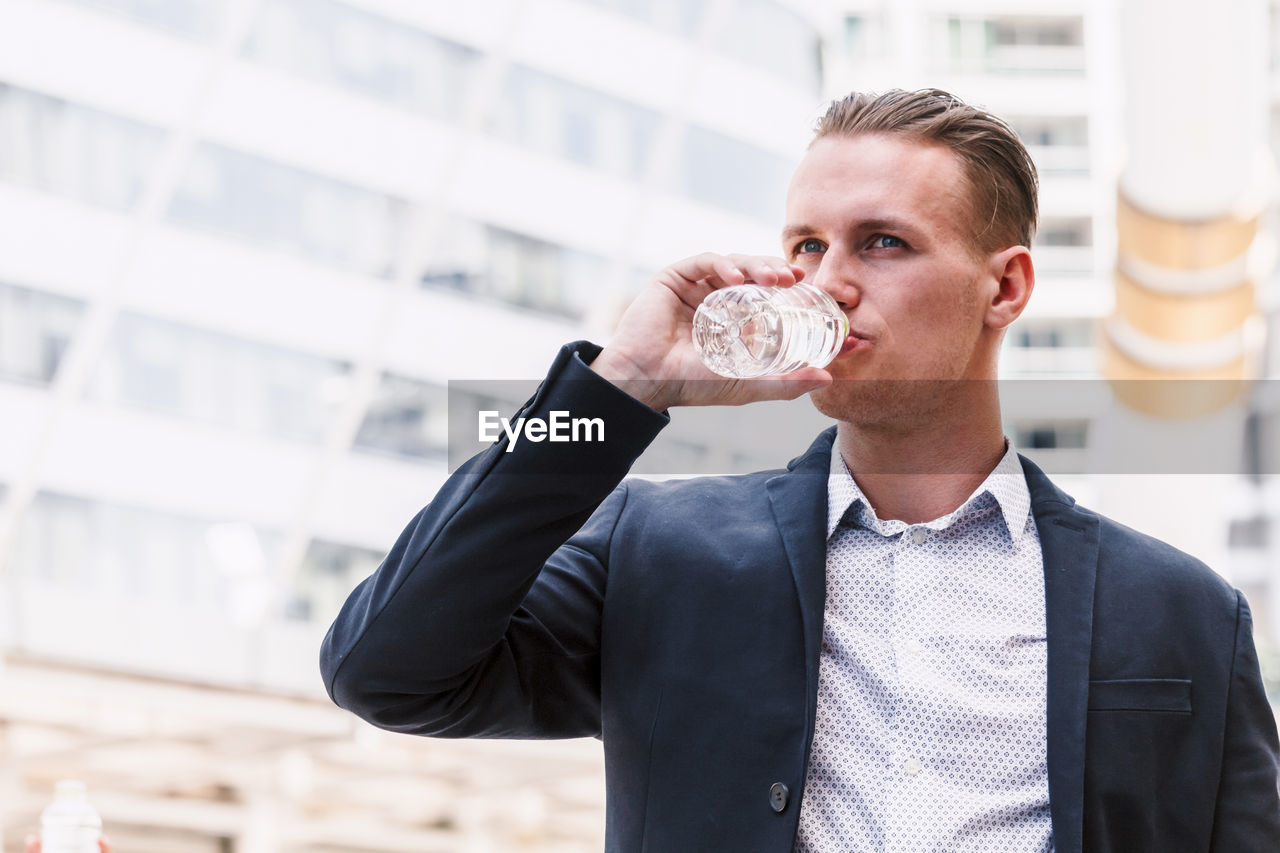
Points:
[(1157, 695)]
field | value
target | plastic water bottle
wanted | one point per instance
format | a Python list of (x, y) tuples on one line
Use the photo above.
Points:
[(69, 824), (749, 330)]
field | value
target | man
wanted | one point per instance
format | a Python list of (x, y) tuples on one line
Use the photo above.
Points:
[(908, 640)]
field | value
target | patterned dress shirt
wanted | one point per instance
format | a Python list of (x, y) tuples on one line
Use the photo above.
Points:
[(930, 731)]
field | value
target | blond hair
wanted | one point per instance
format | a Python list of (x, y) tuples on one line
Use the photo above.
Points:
[(1003, 185)]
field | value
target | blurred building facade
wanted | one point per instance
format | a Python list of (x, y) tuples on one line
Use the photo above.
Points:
[(246, 245)]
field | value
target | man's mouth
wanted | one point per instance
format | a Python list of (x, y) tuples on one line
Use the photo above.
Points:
[(854, 341)]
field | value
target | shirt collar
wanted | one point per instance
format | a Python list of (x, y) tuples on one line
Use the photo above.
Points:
[(1006, 484)]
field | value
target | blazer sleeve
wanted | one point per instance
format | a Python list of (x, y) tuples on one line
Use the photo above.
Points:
[(484, 619), (1248, 809)]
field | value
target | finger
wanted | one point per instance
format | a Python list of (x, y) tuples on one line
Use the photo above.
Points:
[(770, 271), (696, 268), (726, 272), (32, 844), (786, 387), (694, 277), (691, 293), (804, 380), (104, 846)]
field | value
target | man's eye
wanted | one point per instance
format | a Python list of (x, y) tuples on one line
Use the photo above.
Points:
[(885, 241), (808, 246)]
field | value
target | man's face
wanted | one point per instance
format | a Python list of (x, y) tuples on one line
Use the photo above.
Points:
[(884, 226)]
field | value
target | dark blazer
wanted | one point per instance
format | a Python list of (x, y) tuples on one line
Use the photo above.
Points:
[(681, 623)]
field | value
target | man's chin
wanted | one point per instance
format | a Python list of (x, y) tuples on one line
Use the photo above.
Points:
[(883, 402), (858, 400)]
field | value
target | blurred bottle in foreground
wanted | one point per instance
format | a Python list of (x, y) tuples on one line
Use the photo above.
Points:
[(70, 824)]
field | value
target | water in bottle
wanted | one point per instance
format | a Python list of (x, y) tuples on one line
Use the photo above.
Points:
[(749, 330), (70, 824)]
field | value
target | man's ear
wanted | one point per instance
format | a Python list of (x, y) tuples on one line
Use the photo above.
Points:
[(1015, 278)]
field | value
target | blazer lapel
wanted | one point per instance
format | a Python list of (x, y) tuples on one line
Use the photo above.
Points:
[(799, 502), (1069, 540)]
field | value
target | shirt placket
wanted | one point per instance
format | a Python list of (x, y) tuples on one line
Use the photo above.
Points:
[(912, 770)]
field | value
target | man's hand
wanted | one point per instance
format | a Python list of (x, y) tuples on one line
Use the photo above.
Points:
[(33, 845), (651, 354)]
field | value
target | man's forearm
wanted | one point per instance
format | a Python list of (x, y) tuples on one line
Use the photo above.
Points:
[(438, 620)]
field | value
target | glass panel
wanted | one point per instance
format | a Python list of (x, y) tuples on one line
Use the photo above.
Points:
[(285, 208), (1051, 435), (35, 331), (1011, 44), (855, 37), (61, 147), (678, 16), (195, 18), (1056, 32), (727, 173), (534, 273), (328, 573), (1046, 333), (1058, 144), (765, 33), (218, 379), (518, 269), (335, 43), (1064, 231), (1251, 532), (555, 117), (406, 417), (1067, 131), (137, 553)]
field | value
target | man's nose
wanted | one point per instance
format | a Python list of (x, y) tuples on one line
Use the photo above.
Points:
[(838, 281)]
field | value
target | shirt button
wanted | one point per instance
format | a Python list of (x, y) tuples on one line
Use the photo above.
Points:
[(914, 647), (779, 796), (911, 766), (919, 535)]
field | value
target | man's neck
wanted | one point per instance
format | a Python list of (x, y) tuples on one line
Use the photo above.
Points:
[(920, 474)]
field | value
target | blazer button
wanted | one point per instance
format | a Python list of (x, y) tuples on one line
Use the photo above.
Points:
[(779, 796)]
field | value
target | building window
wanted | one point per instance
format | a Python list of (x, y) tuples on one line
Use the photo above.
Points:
[(678, 16), (218, 379), (1251, 532), (64, 148), (1038, 32), (734, 175), (407, 418), (280, 207), (1043, 333), (1051, 435), (1064, 245), (328, 574), (1013, 44), (35, 331), (767, 34), (335, 43), (1059, 145), (198, 19), (1052, 131), (1065, 231), (574, 123), (863, 38), (515, 268), (97, 547)]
